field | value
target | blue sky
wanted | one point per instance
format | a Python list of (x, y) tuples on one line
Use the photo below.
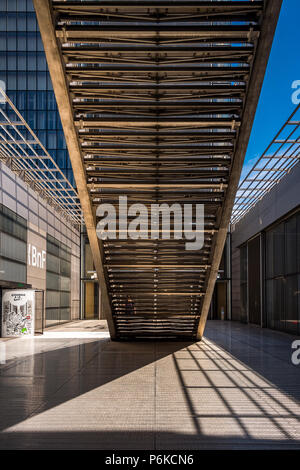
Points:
[(275, 103)]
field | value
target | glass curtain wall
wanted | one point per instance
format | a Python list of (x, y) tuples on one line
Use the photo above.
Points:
[(254, 280), (283, 275), (13, 246), (244, 282), (90, 286), (58, 282)]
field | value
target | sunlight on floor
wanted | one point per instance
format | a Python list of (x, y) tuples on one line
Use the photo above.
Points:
[(76, 334), (200, 391)]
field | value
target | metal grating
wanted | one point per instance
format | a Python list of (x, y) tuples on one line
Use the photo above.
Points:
[(281, 155), (161, 104), (22, 151)]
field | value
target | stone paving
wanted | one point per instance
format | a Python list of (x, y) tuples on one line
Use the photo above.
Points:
[(236, 389)]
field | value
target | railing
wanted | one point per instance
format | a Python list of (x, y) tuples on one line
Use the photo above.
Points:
[(281, 155), (25, 155)]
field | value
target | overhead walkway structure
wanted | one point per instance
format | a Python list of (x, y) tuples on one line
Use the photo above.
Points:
[(157, 100), (277, 161), (25, 155)]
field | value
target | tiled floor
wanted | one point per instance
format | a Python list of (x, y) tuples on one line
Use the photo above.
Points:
[(235, 389)]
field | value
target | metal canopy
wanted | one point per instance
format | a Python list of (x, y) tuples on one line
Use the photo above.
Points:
[(22, 151), (279, 158), (157, 100)]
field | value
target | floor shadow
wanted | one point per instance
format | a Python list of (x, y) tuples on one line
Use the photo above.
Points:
[(233, 390), (46, 379)]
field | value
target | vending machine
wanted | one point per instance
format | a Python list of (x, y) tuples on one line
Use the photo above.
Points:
[(18, 312)]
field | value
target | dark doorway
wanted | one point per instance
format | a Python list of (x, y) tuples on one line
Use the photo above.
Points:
[(219, 301), (91, 300), (254, 281)]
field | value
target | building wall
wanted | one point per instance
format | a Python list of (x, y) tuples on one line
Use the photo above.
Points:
[(13, 247), (235, 285), (283, 198), (75, 285), (282, 274), (277, 218), (58, 281), (36, 254), (42, 222)]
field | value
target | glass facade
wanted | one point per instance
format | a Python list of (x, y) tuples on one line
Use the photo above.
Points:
[(13, 246), (244, 282), (58, 282), (90, 286), (254, 281), (283, 275), (24, 71), (278, 290)]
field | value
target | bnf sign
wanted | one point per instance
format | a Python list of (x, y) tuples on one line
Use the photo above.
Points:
[(36, 258)]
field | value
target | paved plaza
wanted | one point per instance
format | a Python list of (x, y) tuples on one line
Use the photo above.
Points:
[(237, 389)]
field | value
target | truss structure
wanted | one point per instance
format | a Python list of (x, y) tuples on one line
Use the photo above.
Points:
[(24, 154), (281, 155), (157, 99)]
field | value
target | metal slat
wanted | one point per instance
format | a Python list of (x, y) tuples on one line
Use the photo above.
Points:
[(161, 97)]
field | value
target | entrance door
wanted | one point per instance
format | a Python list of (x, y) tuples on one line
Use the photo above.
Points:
[(222, 300), (219, 301), (91, 300), (254, 281)]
